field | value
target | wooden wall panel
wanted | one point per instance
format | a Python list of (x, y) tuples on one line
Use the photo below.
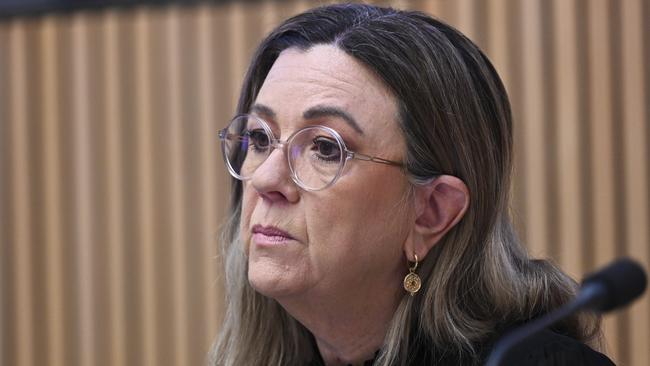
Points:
[(113, 198), (566, 131), (535, 115), (602, 149), (5, 289), (51, 141), (20, 195), (635, 154), (112, 188)]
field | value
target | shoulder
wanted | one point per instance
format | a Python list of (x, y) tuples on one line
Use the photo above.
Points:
[(549, 348)]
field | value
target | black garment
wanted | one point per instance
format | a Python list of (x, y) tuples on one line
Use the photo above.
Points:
[(549, 348), (545, 349)]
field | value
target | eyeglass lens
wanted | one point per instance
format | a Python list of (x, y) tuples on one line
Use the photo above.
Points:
[(315, 154)]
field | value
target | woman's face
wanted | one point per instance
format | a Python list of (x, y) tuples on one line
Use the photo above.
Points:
[(350, 235)]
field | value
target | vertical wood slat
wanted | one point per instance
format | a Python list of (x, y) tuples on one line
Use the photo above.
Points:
[(162, 246), (568, 136), (602, 152), (52, 185), (498, 38), (177, 210), (144, 162), (70, 291), (270, 16), (20, 195), (635, 160), (535, 117), (465, 19), (498, 47), (115, 193), (216, 57), (98, 178), (237, 25), (207, 117), (4, 169), (83, 188)]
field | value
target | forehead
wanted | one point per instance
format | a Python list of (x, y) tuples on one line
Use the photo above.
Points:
[(325, 76)]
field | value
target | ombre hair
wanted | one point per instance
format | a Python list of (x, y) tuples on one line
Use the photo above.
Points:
[(455, 117)]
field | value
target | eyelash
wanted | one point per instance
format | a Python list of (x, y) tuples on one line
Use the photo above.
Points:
[(318, 139), (251, 143)]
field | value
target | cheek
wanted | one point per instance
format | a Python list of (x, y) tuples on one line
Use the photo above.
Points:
[(359, 218), (248, 205)]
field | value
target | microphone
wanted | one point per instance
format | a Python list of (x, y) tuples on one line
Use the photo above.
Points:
[(615, 285), (612, 287)]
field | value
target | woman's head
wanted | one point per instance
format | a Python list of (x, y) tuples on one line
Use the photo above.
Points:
[(438, 106), (407, 88)]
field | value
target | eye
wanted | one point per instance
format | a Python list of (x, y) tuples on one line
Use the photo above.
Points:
[(258, 139), (326, 149)]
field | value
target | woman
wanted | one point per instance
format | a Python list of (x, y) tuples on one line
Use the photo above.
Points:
[(369, 223)]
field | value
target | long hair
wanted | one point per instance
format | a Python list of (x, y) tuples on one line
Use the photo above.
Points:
[(455, 117)]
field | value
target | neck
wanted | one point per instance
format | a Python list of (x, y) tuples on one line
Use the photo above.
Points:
[(349, 329), (355, 353)]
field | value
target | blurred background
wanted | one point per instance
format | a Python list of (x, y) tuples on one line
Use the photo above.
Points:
[(112, 188)]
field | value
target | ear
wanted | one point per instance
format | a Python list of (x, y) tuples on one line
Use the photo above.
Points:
[(439, 206)]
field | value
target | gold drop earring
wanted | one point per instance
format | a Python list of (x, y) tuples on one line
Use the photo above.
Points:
[(412, 281)]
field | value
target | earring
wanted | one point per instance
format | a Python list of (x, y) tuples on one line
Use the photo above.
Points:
[(412, 281)]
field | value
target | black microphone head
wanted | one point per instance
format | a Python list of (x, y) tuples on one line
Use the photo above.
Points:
[(624, 280)]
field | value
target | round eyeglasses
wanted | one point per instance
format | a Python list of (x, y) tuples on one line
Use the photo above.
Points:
[(316, 154)]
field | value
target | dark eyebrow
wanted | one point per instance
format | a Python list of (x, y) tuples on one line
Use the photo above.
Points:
[(311, 113), (263, 110), (329, 111)]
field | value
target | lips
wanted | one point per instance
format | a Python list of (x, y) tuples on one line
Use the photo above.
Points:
[(269, 235)]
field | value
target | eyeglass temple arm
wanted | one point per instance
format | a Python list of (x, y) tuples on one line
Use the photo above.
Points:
[(374, 159)]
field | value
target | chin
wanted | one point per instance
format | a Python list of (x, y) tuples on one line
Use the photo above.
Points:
[(271, 281)]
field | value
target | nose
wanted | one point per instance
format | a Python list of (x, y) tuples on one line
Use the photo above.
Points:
[(272, 179)]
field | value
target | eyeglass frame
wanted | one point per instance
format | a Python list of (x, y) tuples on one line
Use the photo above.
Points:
[(276, 143)]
